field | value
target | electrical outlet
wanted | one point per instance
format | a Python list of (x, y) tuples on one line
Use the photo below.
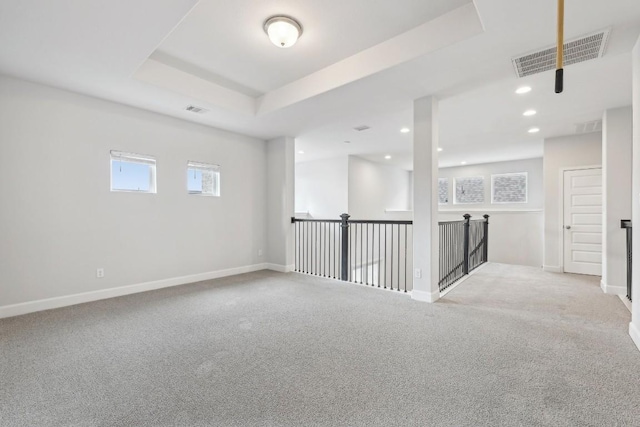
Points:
[(100, 273), (418, 273), (259, 252)]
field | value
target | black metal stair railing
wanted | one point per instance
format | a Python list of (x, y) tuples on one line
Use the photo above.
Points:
[(368, 252), (626, 223), (379, 253), (464, 246)]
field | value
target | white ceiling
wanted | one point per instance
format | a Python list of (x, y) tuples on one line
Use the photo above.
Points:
[(97, 48), (226, 38)]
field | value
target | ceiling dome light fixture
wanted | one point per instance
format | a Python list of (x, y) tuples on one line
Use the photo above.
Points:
[(524, 89), (534, 130), (282, 30), (405, 130), (529, 113)]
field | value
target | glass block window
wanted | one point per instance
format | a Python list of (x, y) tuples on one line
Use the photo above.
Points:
[(509, 188), (203, 179), (469, 190), (443, 191)]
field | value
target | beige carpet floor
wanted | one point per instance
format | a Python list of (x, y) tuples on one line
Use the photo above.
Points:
[(511, 346)]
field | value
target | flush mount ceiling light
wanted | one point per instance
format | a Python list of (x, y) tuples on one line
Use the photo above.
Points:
[(300, 152), (463, 163), (282, 30), (534, 130), (387, 157), (529, 113), (405, 130), (439, 149), (522, 90)]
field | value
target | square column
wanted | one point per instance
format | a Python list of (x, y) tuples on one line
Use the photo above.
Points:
[(617, 141), (425, 200), (280, 203)]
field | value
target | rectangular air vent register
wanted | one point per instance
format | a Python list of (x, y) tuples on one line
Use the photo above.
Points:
[(577, 50)]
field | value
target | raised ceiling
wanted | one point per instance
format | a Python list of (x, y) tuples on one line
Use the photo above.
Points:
[(226, 38)]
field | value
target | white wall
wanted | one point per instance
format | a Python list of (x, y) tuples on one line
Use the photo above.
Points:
[(634, 327), (59, 221), (375, 188), (559, 153), (517, 225), (321, 188), (617, 142)]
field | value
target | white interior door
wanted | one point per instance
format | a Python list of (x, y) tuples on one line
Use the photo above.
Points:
[(583, 221)]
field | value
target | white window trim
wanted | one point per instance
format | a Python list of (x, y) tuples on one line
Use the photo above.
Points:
[(116, 156), (209, 167), (455, 191), (526, 193)]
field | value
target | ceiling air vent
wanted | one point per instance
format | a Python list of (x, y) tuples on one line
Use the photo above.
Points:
[(361, 128), (583, 49), (194, 109), (588, 127)]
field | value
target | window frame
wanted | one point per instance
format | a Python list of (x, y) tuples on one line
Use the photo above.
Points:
[(214, 168), (128, 157), (526, 191), (455, 190)]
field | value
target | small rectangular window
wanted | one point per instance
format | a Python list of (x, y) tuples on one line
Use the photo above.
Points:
[(469, 190), (203, 179), (443, 191), (133, 172), (509, 188)]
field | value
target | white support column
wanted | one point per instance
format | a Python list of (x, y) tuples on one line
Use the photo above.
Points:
[(617, 145), (425, 200), (634, 327), (280, 203)]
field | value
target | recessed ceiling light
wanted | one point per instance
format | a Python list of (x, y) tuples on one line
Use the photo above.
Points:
[(405, 130), (387, 157), (529, 113), (439, 149), (522, 90), (282, 30), (463, 163), (300, 152), (534, 130)]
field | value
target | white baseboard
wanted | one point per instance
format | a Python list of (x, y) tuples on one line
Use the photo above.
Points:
[(613, 290), (67, 300), (635, 334), (281, 268), (626, 302), (462, 279), (553, 268), (424, 296)]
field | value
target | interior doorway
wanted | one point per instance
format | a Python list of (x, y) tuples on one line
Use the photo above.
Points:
[(582, 223)]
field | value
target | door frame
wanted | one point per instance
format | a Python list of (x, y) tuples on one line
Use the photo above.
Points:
[(561, 206)]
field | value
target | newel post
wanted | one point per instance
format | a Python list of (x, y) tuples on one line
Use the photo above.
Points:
[(486, 238), (344, 258), (465, 267)]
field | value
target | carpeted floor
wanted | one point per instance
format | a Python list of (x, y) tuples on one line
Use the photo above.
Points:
[(512, 346)]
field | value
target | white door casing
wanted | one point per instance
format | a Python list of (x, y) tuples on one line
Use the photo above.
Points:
[(582, 224)]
